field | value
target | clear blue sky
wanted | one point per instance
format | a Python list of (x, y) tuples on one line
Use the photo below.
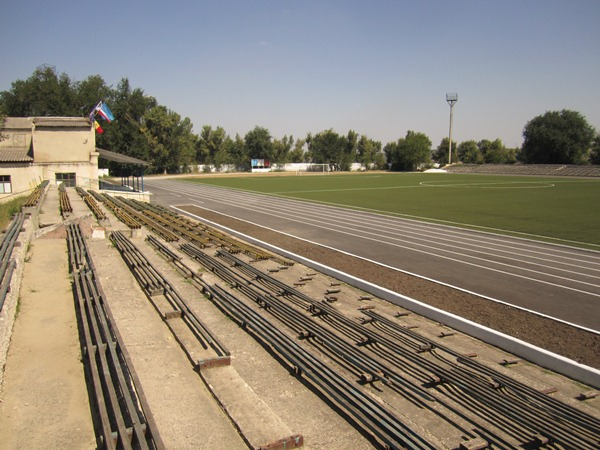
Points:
[(380, 68)]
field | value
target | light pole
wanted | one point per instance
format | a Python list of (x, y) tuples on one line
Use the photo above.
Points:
[(451, 99)]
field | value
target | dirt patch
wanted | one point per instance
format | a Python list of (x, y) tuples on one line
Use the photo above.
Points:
[(557, 337)]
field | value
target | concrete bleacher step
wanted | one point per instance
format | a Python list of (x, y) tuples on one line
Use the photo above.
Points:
[(49, 213), (527, 169)]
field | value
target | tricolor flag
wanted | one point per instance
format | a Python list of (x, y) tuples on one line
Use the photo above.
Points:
[(104, 111), (98, 127), (93, 112)]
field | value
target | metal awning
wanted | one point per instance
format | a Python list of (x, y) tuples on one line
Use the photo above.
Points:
[(119, 158)]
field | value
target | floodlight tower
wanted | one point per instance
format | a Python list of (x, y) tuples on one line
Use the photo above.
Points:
[(451, 99)]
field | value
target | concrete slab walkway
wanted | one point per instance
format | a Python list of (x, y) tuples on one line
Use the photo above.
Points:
[(44, 399)]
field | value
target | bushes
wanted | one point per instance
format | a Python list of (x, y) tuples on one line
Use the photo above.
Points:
[(9, 209)]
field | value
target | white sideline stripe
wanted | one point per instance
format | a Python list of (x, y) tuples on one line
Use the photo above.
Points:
[(537, 355), (421, 218), (431, 184), (465, 261), (423, 227), (537, 313), (425, 220), (423, 250)]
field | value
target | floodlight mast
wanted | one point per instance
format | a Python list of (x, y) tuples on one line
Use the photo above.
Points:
[(451, 99)]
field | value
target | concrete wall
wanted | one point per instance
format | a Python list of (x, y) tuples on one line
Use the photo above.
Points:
[(24, 177), (86, 174), (295, 167), (141, 196), (63, 144), (16, 138), (288, 167)]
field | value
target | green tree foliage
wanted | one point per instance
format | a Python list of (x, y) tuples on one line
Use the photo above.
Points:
[(369, 153), (494, 152), (410, 153), (88, 92), (350, 152), (258, 143), (226, 154), (392, 155), (441, 152), (282, 149), (44, 93), (209, 144), (487, 148), (126, 133), (298, 155), (170, 140), (239, 155), (379, 161), (328, 147), (557, 137), (595, 151), (469, 153), (146, 130)]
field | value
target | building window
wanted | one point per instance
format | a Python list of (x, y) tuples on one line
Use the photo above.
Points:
[(68, 179), (5, 185)]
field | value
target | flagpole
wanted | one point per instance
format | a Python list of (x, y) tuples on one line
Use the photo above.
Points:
[(93, 111)]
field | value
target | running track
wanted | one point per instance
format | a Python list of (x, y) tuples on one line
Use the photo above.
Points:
[(556, 281)]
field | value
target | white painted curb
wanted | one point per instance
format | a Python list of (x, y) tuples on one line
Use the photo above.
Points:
[(522, 349)]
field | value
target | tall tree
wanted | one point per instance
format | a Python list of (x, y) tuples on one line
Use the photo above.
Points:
[(209, 144), (557, 137), (298, 155), (379, 161), (258, 143), (441, 152), (469, 153), (350, 150), (595, 151), (416, 150), (327, 147), (282, 148), (225, 153), (494, 152), (170, 140), (368, 152), (89, 92), (392, 154), (239, 153), (126, 134), (409, 153), (44, 93)]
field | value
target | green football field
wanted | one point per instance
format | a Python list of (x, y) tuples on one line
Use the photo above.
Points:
[(559, 209)]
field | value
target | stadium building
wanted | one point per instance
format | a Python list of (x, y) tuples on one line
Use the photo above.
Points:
[(61, 150)]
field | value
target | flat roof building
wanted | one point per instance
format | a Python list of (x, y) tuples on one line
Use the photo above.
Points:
[(61, 150)]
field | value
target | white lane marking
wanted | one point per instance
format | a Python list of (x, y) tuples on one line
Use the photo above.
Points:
[(376, 224), (340, 228), (451, 258), (408, 216), (492, 184), (429, 227), (537, 313)]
